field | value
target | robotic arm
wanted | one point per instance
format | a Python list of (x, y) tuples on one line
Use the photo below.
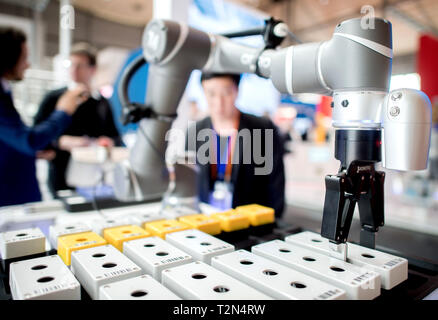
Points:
[(354, 67)]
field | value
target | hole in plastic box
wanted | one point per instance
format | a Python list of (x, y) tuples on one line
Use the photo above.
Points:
[(109, 265), (298, 285), (337, 269), (45, 279), (270, 272), (309, 259), (39, 267), (221, 289), (138, 294)]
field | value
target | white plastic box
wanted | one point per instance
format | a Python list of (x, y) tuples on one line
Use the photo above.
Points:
[(140, 219), (199, 281), (96, 266), (24, 242), (46, 278), (139, 288), (393, 270), (274, 279), (56, 231), (359, 283), (153, 255), (198, 244), (99, 225)]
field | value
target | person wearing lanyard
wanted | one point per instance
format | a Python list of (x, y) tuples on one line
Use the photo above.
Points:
[(20, 144), (221, 196), (224, 183)]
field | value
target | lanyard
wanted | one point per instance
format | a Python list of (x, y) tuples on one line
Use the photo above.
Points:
[(222, 170), (223, 166)]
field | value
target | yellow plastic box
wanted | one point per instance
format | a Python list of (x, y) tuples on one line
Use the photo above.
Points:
[(232, 220), (203, 223), (163, 227), (69, 243), (257, 214), (118, 235)]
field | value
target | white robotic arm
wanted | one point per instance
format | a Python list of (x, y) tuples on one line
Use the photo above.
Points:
[(354, 67)]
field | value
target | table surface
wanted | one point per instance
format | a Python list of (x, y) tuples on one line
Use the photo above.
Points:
[(419, 248)]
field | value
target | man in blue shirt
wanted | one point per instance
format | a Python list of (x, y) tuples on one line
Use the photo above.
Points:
[(19, 143)]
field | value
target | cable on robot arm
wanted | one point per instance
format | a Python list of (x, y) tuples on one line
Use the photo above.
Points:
[(133, 112)]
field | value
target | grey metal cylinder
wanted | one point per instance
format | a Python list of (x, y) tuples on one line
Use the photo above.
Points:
[(358, 59)]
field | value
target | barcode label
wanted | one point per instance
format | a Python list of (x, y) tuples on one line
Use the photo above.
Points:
[(218, 248), (393, 262), (50, 289), (328, 294), (363, 277), (172, 260), (132, 235), (18, 239), (117, 273), (85, 243)]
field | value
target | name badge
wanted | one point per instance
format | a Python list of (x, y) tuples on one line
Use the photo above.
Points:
[(222, 195)]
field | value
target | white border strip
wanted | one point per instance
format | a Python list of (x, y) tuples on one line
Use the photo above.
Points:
[(288, 71), (368, 43), (320, 76), (212, 54), (138, 194), (184, 31)]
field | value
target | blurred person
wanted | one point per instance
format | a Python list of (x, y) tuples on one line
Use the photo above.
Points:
[(92, 124), (238, 180), (283, 118), (20, 144), (193, 110)]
